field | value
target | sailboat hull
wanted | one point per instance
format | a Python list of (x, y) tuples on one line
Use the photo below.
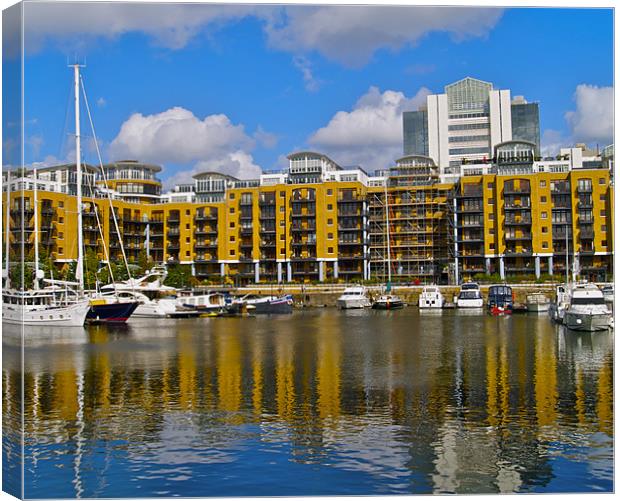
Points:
[(111, 312)]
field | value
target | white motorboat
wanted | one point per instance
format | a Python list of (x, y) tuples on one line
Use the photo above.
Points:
[(431, 297), (537, 302), (150, 308), (608, 293), (469, 296), (587, 310), (353, 298), (42, 307), (558, 307)]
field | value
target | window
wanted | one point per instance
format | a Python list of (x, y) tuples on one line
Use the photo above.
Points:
[(601, 180), (282, 223), (232, 238), (491, 201), (543, 184), (186, 240), (60, 250), (492, 231), (282, 208), (282, 237), (186, 253), (282, 194), (282, 251), (543, 200), (232, 224), (330, 236), (61, 235), (545, 229), (232, 196), (603, 213), (330, 221), (61, 220), (232, 210), (545, 245), (603, 198), (490, 186), (330, 192), (330, 250), (492, 216), (492, 246), (187, 226), (543, 215), (233, 252), (604, 243), (187, 212), (61, 204), (603, 228), (330, 207)]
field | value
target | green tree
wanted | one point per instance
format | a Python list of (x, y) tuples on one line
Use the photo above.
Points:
[(180, 276)]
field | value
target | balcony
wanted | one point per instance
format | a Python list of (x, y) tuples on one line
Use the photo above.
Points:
[(586, 233), (511, 190), (173, 231), (206, 217), (470, 209), (303, 243), (173, 220), (303, 215), (514, 238), (584, 189), (173, 246), (246, 231), (518, 221), (470, 194), (517, 206), (349, 243)]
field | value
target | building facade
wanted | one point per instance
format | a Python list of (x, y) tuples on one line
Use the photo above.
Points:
[(517, 216), (465, 123)]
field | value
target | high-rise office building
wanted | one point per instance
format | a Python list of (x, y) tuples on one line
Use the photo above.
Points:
[(467, 122)]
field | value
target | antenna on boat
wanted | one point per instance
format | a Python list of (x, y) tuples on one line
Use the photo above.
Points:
[(35, 283), (6, 229)]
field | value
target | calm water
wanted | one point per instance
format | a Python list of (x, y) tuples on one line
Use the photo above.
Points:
[(320, 402)]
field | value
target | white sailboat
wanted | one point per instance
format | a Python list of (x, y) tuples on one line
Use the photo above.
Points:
[(38, 307)]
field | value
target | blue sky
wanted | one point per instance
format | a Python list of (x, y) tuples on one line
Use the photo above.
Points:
[(238, 88)]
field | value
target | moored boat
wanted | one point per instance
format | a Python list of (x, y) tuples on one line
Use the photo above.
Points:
[(469, 296), (557, 308), (537, 302), (587, 310), (41, 307), (431, 297), (388, 302), (500, 300), (263, 305), (353, 298)]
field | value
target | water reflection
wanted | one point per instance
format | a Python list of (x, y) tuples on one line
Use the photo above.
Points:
[(321, 402)]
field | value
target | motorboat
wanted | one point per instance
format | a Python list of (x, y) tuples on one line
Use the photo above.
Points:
[(262, 304), (353, 298), (587, 310), (499, 300), (43, 308), (431, 297), (558, 306), (608, 293), (537, 302), (469, 296), (150, 308), (388, 302)]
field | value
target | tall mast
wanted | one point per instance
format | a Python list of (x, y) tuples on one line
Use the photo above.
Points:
[(387, 235), (79, 272), (7, 230), (36, 232)]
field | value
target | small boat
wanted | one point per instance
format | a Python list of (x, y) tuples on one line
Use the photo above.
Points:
[(537, 302), (469, 296), (150, 308), (388, 302), (204, 303), (353, 297), (608, 293), (561, 301), (431, 297), (499, 300), (587, 310), (263, 305)]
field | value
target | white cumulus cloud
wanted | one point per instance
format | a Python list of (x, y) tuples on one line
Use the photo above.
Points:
[(351, 34), (371, 133), (177, 136), (593, 119)]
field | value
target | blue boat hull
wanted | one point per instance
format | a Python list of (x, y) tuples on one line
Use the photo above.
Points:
[(111, 313)]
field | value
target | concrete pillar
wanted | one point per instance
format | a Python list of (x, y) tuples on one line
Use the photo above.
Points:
[(502, 274), (321, 271), (487, 265), (550, 265), (256, 273), (223, 269), (456, 271), (289, 272), (279, 272), (336, 269), (537, 266), (193, 270)]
